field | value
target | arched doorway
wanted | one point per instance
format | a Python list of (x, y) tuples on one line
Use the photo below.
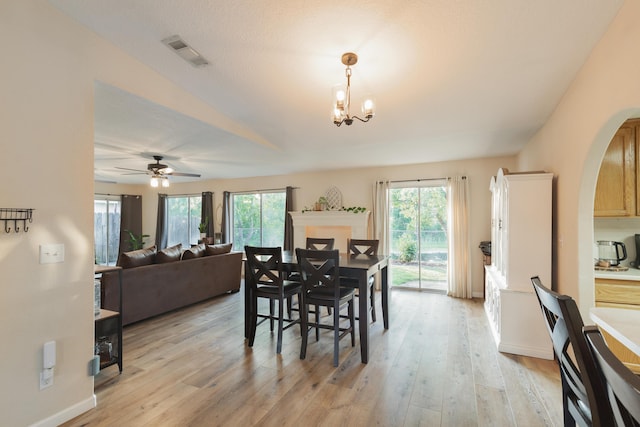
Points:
[(587, 188)]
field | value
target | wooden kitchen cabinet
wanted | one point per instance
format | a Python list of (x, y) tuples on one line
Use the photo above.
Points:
[(617, 188), (619, 294)]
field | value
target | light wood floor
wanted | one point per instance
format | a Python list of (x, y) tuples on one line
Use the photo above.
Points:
[(437, 365)]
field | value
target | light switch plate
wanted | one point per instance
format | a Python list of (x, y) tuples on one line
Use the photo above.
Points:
[(51, 253)]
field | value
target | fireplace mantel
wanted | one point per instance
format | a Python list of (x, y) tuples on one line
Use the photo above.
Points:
[(341, 225)]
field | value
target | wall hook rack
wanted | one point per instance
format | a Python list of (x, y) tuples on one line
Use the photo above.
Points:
[(16, 215)]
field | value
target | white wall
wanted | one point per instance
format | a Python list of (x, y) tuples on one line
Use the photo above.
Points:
[(46, 163), (572, 143)]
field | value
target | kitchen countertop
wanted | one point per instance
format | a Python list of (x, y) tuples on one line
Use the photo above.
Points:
[(631, 274)]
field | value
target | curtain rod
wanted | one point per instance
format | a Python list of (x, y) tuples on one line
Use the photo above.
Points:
[(422, 179), (263, 190), (118, 195)]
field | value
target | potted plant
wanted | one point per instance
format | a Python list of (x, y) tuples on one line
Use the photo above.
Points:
[(203, 227), (321, 204), (136, 241)]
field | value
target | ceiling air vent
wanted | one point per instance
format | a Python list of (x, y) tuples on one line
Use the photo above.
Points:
[(186, 52)]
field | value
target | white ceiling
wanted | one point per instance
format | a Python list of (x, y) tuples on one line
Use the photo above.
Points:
[(452, 79)]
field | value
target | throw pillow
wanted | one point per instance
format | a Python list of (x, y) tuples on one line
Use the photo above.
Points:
[(196, 251), (222, 248), (170, 254), (137, 258)]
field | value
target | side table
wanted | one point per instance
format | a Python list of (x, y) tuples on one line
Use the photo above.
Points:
[(108, 327)]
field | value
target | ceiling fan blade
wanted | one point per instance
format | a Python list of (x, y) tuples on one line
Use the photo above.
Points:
[(134, 170), (195, 175)]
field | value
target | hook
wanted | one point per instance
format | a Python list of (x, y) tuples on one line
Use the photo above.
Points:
[(15, 225), (24, 225), (6, 229)]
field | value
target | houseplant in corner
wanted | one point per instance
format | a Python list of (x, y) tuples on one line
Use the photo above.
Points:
[(203, 227), (136, 241)]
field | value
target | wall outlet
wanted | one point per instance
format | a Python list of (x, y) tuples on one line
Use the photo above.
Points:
[(46, 378)]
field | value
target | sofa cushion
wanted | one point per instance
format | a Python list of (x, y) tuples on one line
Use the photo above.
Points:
[(170, 254), (137, 258), (222, 248), (195, 252)]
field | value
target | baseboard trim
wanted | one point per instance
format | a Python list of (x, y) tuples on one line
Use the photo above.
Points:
[(68, 413), (540, 353)]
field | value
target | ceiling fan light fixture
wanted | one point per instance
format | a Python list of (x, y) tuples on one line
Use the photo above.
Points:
[(342, 98), (165, 182), (154, 181)]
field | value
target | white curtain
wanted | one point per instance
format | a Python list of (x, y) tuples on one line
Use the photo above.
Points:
[(459, 270), (381, 217)]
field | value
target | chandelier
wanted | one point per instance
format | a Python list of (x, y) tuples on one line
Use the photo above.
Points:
[(342, 98)]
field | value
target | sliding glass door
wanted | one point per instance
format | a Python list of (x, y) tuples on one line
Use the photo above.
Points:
[(418, 234)]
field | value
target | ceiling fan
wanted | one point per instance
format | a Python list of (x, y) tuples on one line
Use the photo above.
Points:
[(159, 172)]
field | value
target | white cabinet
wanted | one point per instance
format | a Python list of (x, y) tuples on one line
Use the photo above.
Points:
[(520, 248)]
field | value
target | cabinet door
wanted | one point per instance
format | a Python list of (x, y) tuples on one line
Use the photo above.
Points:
[(616, 187)]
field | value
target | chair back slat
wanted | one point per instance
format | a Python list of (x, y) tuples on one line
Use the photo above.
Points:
[(581, 388), (623, 386), (320, 244), (319, 269), (265, 266), (363, 246)]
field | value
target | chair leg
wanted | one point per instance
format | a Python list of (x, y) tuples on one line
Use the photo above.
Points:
[(317, 323), (336, 335), (352, 323), (253, 314), (304, 328), (373, 303), (280, 322), (271, 310)]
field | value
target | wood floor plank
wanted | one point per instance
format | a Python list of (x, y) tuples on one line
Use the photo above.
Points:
[(437, 365)]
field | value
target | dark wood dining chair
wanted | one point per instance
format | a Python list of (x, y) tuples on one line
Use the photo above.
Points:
[(367, 247), (623, 386), (584, 396), (320, 273), (320, 244), (267, 280), (317, 244)]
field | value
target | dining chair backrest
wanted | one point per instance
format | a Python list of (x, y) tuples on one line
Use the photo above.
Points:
[(319, 270), (623, 386), (265, 266), (319, 244), (583, 391), (363, 246)]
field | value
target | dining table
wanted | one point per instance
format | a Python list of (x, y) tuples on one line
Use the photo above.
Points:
[(360, 267)]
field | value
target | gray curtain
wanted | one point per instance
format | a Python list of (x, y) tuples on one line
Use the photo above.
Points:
[(161, 223), (226, 217), (207, 212), (130, 220), (288, 221)]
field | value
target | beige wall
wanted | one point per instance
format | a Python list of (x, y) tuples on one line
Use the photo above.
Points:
[(356, 187), (46, 129), (572, 143)]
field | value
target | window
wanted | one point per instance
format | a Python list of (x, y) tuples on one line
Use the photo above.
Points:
[(258, 219), (106, 229), (418, 235), (183, 218)]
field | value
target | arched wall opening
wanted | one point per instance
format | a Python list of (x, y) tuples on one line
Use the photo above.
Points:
[(591, 167)]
